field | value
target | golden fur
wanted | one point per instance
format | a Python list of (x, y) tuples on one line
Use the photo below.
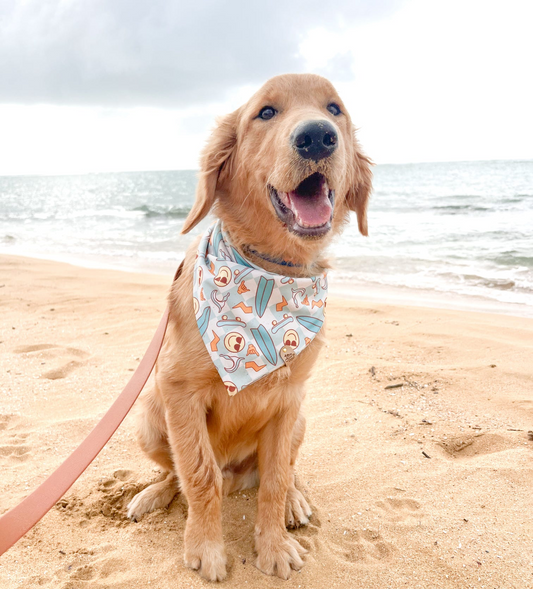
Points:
[(212, 443)]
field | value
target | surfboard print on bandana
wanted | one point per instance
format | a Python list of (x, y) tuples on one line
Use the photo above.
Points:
[(252, 322)]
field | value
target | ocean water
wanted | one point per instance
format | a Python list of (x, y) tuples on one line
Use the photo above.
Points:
[(462, 229)]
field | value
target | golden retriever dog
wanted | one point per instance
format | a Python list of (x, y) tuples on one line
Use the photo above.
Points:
[(282, 173)]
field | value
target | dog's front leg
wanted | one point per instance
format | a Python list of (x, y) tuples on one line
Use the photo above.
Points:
[(201, 482), (277, 550)]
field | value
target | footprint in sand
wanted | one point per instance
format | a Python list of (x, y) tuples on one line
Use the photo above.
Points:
[(33, 348), (308, 536), (15, 452), (109, 499), (85, 572), (400, 510), (477, 445), (99, 568), (62, 371), (8, 421), (525, 405), (363, 546), (65, 359), (13, 444)]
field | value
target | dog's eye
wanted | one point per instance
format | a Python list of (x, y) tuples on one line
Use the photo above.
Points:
[(334, 109), (267, 113)]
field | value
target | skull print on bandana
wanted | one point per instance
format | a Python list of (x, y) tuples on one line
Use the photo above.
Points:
[(252, 322)]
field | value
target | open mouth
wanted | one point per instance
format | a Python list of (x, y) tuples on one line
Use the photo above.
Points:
[(306, 211)]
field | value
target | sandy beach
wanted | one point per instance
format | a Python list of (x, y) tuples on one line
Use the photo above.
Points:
[(417, 460)]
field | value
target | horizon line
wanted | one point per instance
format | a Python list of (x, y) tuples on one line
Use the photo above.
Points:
[(377, 164)]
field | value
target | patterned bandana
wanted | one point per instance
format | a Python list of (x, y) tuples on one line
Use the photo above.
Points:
[(252, 321)]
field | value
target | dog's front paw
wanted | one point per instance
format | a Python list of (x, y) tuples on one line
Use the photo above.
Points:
[(277, 554), (207, 557)]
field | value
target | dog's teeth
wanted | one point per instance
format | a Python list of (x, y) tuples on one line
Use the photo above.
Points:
[(305, 225)]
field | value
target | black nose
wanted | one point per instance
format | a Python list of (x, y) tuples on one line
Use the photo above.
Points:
[(314, 139)]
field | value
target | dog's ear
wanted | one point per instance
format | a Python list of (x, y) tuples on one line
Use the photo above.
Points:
[(361, 186), (215, 156)]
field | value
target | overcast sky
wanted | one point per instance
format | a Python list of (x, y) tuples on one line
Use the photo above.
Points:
[(109, 85)]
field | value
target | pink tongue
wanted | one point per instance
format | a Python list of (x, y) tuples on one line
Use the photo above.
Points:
[(311, 210)]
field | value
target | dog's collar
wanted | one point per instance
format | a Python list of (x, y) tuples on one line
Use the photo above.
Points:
[(250, 250)]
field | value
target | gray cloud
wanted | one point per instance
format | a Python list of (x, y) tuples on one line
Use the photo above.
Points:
[(157, 52)]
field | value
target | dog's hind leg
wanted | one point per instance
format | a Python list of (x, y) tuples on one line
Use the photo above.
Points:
[(155, 496), (152, 429), (151, 434), (297, 510)]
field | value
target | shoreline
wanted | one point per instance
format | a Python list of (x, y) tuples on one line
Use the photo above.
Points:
[(359, 291)]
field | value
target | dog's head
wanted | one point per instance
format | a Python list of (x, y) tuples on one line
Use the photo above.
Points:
[(284, 170)]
